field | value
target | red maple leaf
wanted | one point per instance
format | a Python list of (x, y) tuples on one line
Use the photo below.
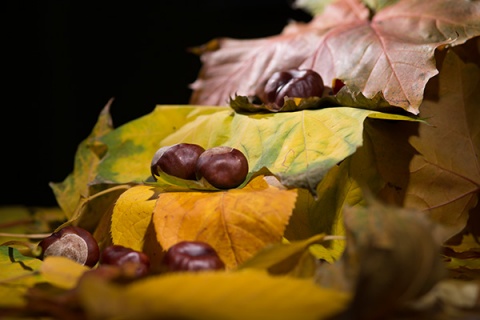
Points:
[(391, 51)]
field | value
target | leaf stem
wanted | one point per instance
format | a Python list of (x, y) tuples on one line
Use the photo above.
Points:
[(101, 193), (25, 235), (329, 238), (83, 202)]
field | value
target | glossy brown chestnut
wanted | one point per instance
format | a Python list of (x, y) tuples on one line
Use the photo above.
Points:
[(301, 83), (223, 167), (192, 256), (178, 160), (72, 242), (121, 256)]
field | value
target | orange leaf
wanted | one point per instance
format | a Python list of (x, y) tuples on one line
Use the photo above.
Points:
[(237, 222)]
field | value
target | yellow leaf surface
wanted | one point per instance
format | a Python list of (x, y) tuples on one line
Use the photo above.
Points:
[(132, 215), (17, 274), (242, 295), (237, 222), (61, 271), (281, 257), (328, 254), (469, 243), (467, 263), (132, 146)]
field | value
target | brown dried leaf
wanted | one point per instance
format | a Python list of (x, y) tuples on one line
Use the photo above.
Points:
[(435, 167)]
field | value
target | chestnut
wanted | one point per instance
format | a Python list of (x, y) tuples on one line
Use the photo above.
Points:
[(121, 256), (223, 167), (178, 160), (192, 256), (72, 242), (301, 83)]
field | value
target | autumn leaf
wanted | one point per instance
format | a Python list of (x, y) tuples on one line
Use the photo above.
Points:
[(323, 214), (90, 210), (391, 52), (468, 244), (282, 258), (132, 215), (243, 104), (298, 147), (21, 223), (311, 6), (473, 264), (132, 146), (18, 273), (61, 271), (344, 98), (435, 167), (341, 187), (69, 192), (23, 227), (450, 147), (236, 222), (376, 5), (89, 194), (14, 220), (248, 294), (318, 6), (463, 259)]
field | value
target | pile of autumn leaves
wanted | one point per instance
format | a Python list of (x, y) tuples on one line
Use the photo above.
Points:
[(382, 226)]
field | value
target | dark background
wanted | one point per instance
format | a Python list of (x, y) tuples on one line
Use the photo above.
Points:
[(63, 61)]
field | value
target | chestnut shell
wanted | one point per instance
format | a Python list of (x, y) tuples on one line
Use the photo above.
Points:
[(223, 167), (192, 256)]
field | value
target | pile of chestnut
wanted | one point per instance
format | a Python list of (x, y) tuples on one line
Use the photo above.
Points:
[(222, 167), (79, 245), (294, 83)]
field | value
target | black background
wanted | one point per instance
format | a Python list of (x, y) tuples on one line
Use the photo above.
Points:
[(63, 61)]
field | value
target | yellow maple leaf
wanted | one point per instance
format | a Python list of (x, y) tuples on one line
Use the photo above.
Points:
[(237, 222)]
